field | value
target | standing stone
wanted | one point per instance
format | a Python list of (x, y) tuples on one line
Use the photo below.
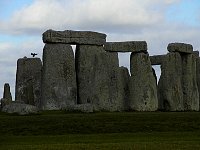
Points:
[(86, 62), (198, 74), (143, 88), (7, 94), (98, 78), (28, 81), (58, 77), (189, 83), (170, 91), (125, 88)]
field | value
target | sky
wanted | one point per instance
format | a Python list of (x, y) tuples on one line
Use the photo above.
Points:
[(159, 22)]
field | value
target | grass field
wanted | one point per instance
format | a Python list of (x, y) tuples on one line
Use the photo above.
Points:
[(119, 130)]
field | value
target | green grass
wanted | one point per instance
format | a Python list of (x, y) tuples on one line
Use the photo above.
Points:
[(119, 130)]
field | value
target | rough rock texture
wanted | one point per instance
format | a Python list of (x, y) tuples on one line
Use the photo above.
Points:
[(86, 108), (124, 89), (6, 93), (128, 46), (58, 77), (170, 91), (143, 90), (21, 109), (178, 90), (180, 47), (28, 81), (5, 102), (98, 78), (198, 74), (189, 83), (74, 37), (157, 59)]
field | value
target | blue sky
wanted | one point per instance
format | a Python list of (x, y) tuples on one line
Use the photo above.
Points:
[(159, 22)]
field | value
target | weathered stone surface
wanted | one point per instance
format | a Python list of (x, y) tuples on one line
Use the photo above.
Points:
[(21, 109), (5, 102), (198, 74), (6, 93), (74, 37), (157, 59), (28, 81), (85, 108), (58, 77), (124, 87), (189, 83), (180, 47), (128, 46), (98, 78), (177, 86), (196, 53), (170, 91), (143, 90)]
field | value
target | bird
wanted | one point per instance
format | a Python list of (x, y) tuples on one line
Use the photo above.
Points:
[(33, 54)]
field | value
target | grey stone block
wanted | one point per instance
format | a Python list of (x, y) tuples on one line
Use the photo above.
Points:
[(180, 47), (74, 37), (128, 46), (170, 91), (98, 78), (58, 77), (143, 90), (28, 81), (21, 109), (157, 59), (6, 93), (189, 83)]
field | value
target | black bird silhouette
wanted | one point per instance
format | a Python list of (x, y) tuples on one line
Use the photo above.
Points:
[(33, 54)]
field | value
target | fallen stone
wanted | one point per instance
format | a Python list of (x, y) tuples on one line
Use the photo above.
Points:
[(28, 81), (170, 91), (157, 59), (128, 46), (74, 37), (143, 90), (85, 108), (58, 77), (180, 47), (5, 102), (21, 109)]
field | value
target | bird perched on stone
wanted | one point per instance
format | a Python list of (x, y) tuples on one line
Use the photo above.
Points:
[(33, 54)]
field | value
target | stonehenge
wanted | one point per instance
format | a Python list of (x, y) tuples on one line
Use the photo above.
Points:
[(89, 78)]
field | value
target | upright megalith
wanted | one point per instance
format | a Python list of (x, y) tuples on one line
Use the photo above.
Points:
[(189, 83), (6, 93), (58, 77), (143, 90), (7, 97), (170, 91), (177, 86), (28, 81), (124, 90)]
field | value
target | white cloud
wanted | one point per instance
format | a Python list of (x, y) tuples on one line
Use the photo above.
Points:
[(105, 15)]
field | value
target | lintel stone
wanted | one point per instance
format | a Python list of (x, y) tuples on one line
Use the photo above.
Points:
[(157, 59), (74, 37), (180, 47), (127, 46)]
